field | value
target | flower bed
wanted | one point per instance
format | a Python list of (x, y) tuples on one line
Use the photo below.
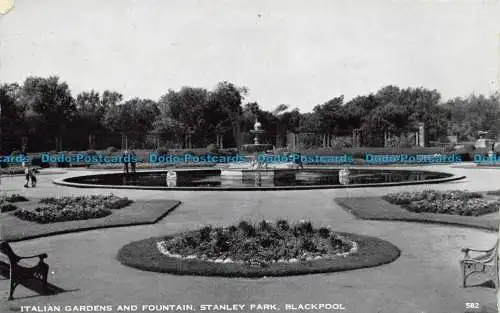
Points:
[(258, 245), (13, 198), (6, 202), (455, 202), (7, 207), (63, 209)]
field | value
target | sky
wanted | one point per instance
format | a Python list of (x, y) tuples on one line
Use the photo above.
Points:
[(300, 53)]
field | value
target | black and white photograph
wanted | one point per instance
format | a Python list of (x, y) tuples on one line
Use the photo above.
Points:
[(249, 156)]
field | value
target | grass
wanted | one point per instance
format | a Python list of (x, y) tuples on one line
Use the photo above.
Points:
[(137, 213), (376, 208), (493, 192), (144, 255)]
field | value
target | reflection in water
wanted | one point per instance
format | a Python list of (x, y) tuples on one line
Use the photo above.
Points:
[(171, 179), (258, 179), (344, 176), (305, 177)]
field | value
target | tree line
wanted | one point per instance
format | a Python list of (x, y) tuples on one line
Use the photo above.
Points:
[(43, 115)]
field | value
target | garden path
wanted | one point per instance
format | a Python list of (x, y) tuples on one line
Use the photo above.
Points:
[(426, 278)]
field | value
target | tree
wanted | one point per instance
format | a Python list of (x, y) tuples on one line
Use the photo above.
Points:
[(49, 102), (12, 126), (474, 113), (134, 118), (332, 118), (188, 108), (110, 98), (280, 127), (226, 100)]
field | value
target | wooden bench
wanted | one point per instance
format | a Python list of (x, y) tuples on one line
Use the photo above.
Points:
[(485, 261), (20, 274)]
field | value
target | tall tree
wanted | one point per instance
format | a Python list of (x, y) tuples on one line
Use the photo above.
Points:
[(51, 103), (226, 99), (134, 118), (12, 127), (187, 107)]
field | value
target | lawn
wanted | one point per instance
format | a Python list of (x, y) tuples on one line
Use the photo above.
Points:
[(464, 210), (50, 216), (265, 249)]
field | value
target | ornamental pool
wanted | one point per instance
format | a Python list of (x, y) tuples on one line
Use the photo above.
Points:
[(215, 179)]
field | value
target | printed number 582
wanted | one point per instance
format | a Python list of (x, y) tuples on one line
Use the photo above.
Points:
[(471, 305)]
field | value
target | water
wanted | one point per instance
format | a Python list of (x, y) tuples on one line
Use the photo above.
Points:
[(269, 178)]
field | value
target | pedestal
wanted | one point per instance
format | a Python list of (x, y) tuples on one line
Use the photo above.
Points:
[(421, 134)]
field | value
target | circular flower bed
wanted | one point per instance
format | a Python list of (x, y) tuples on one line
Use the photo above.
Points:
[(65, 209), (455, 202), (265, 249), (259, 244)]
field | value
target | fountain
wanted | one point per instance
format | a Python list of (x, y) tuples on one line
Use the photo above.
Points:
[(256, 168), (256, 146)]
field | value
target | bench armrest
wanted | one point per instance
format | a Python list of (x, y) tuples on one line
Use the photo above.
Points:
[(467, 250), (41, 256)]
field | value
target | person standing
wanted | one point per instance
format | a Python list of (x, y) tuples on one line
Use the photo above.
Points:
[(27, 175), (133, 160), (298, 160), (125, 160), (32, 173)]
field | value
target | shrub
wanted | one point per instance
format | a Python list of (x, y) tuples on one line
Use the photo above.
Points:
[(64, 209), (7, 207), (449, 148), (37, 161), (358, 162), (63, 164), (466, 152), (52, 214), (453, 202), (250, 148), (247, 228), (303, 227), (403, 198), (324, 232), (91, 152), (14, 198), (212, 148), (269, 245), (110, 150), (282, 225), (205, 233), (265, 226), (229, 151), (162, 151)]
